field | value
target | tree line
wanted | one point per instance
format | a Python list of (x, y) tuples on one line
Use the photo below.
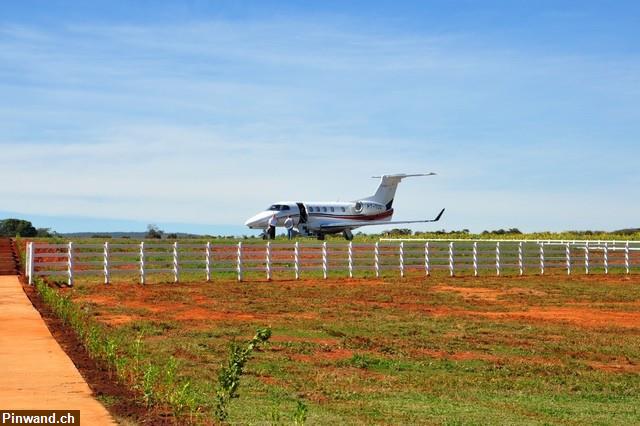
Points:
[(22, 228)]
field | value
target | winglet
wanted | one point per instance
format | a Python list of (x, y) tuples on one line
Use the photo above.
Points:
[(439, 215)]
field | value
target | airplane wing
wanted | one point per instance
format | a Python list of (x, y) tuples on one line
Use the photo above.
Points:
[(376, 222)]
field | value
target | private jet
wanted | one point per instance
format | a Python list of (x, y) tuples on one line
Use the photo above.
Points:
[(322, 218)]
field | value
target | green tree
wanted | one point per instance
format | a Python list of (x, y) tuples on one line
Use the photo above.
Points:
[(154, 232), (17, 227)]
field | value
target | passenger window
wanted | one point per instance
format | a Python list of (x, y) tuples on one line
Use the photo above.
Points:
[(332, 209), (324, 209), (343, 209)]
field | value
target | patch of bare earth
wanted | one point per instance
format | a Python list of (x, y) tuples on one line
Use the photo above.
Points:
[(199, 313), (471, 292), (583, 317), (575, 313), (118, 319), (488, 294), (617, 366)]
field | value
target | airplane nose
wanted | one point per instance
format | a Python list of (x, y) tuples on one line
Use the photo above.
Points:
[(251, 222), (258, 221)]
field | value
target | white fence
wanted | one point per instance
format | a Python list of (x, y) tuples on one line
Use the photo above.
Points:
[(207, 260)]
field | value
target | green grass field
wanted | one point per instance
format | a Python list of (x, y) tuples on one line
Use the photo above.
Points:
[(500, 350)]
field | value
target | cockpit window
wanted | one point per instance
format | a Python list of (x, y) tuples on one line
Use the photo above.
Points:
[(278, 207)]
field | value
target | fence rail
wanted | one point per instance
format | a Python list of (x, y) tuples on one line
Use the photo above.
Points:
[(454, 257)]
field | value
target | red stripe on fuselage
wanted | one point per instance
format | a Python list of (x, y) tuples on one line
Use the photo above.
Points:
[(358, 217)]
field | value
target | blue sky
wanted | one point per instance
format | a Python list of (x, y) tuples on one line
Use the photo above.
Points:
[(196, 114)]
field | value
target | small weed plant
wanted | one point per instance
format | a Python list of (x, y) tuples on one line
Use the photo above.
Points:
[(300, 413), (229, 375)]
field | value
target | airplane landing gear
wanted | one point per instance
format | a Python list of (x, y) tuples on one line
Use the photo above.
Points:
[(348, 235)]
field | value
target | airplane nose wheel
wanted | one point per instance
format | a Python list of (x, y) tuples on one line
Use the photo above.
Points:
[(348, 235)]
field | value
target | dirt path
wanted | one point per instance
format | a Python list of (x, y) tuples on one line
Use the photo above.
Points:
[(36, 373)]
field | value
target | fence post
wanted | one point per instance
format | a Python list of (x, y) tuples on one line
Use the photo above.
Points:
[(350, 259), (70, 264), (267, 260), (26, 263), (606, 258), (541, 258), (427, 266), (239, 261), (376, 259), (626, 257), (567, 251), (520, 260), (296, 260), (176, 270), (497, 257), (475, 258), (451, 258), (586, 258), (324, 260), (31, 262), (401, 255), (207, 261), (107, 278), (142, 277)]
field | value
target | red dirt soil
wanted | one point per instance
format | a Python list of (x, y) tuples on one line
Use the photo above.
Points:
[(198, 309), (616, 367), (490, 294), (205, 308), (582, 317)]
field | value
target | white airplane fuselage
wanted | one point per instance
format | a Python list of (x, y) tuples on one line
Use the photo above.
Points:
[(331, 217), (310, 216)]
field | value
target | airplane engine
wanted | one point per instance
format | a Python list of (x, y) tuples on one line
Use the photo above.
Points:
[(368, 207)]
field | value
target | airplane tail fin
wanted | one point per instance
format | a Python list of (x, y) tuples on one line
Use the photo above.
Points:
[(387, 189)]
